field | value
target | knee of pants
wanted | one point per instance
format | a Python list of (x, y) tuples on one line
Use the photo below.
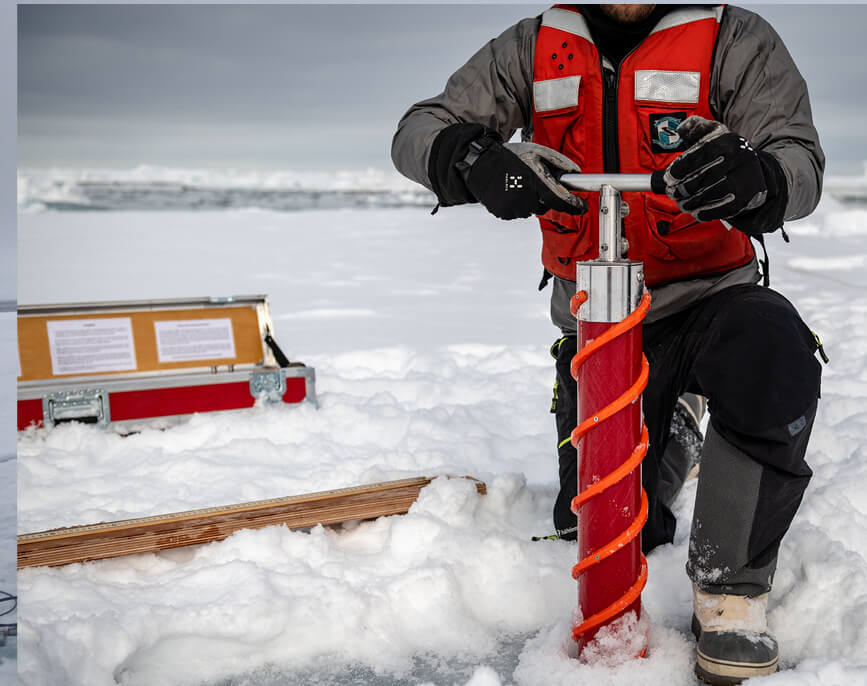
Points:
[(758, 367)]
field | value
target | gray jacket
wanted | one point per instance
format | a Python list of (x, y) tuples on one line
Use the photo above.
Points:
[(755, 89)]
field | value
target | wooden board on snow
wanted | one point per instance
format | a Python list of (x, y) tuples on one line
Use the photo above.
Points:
[(160, 532)]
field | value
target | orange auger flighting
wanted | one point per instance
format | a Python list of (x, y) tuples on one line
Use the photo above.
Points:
[(630, 466), (611, 438)]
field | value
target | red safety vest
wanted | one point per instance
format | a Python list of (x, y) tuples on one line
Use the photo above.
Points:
[(663, 81)]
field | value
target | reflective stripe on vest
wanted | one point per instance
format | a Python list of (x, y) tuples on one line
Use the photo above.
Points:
[(660, 83)]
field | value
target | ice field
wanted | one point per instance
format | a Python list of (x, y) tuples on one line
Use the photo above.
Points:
[(431, 355)]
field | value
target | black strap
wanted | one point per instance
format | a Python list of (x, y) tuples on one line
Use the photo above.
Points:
[(766, 262), (556, 536), (546, 277), (821, 348), (282, 360), (475, 150)]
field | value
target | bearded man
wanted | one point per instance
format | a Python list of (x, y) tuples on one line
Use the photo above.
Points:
[(709, 98)]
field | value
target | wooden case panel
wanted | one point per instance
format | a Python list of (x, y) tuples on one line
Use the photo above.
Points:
[(35, 358)]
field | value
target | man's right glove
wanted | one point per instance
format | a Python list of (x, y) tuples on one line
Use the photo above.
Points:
[(721, 176), (469, 163)]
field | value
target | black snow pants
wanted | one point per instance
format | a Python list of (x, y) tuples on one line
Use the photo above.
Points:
[(747, 350)]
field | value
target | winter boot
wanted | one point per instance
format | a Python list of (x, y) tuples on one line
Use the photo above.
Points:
[(733, 639), (682, 452), (695, 405), (694, 408)]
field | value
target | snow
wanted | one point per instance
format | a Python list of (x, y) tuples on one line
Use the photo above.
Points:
[(7, 493), (430, 342)]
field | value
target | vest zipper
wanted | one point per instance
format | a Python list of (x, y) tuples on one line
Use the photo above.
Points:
[(610, 153), (610, 82), (610, 144)]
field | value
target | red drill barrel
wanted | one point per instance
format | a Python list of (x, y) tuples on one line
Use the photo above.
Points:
[(610, 438), (604, 377)]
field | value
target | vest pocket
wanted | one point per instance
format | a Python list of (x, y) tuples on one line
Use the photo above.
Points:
[(566, 236), (552, 97), (676, 235), (558, 109), (659, 143)]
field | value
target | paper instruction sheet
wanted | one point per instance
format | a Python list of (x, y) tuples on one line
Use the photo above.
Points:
[(194, 339), (86, 346)]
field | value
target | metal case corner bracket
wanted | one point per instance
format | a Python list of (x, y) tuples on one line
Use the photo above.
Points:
[(271, 384)]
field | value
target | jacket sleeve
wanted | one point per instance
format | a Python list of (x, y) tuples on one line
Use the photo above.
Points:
[(757, 91), (492, 89)]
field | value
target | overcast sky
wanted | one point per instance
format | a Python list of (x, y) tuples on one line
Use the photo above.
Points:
[(313, 86)]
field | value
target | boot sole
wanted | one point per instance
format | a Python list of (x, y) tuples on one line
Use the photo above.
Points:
[(726, 672)]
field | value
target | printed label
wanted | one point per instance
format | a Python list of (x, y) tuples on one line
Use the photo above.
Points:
[(86, 346), (194, 339)]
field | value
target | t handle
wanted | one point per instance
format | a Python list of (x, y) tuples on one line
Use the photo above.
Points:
[(622, 182), (611, 208)]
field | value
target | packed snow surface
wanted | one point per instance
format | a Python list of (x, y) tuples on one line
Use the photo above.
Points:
[(430, 343), (7, 493)]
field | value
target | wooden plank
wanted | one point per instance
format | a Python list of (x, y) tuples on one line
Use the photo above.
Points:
[(35, 357), (161, 532)]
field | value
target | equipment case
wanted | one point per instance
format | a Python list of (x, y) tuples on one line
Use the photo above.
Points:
[(131, 361)]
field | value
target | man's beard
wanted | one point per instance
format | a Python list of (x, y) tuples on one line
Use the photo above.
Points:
[(627, 14)]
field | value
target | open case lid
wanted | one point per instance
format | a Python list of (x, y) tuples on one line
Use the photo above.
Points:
[(136, 338)]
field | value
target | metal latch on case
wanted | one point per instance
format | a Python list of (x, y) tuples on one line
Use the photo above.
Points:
[(87, 405), (271, 384)]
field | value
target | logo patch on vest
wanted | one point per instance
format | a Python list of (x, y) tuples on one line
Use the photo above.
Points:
[(663, 132)]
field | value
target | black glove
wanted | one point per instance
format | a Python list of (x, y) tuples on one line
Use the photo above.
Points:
[(721, 176), (469, 163)]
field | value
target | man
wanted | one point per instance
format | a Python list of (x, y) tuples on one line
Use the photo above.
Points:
[(711, 100)]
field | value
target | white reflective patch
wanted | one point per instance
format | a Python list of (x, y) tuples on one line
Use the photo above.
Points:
[(667, 86), (571, 22), (685, 16), (556, 94)]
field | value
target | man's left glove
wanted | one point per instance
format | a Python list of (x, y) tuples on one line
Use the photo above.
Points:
[(721, 176), (469, 163)]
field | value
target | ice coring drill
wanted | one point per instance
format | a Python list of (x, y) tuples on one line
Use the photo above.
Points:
[(611, 438)]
